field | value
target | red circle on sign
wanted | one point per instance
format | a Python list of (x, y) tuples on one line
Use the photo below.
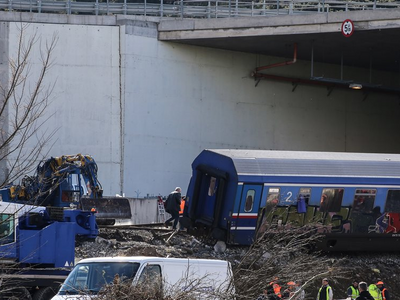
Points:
[(347, 28)]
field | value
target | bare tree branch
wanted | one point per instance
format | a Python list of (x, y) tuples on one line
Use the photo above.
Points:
[(284, 252), (24, 101)]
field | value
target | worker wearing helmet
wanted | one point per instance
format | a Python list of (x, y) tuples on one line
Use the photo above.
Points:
[(325, 292), (352, 291), (292, 288), (289, 291), (300, 293), (384, 291)]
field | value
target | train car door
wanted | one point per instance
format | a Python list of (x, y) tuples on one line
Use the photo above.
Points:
[(246, 215), (208, 194), (208, 197)]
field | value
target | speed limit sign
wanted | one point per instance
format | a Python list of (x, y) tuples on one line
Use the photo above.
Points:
[(347, 28)]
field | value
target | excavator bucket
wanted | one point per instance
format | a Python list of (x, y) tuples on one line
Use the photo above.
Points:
[(109, 210)]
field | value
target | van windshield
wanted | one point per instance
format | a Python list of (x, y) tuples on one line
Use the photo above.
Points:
[(89, 278)]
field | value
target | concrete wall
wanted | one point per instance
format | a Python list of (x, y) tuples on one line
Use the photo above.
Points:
[(4, 30), (85, 108), (144, 109), (145, 211), (185, 99)]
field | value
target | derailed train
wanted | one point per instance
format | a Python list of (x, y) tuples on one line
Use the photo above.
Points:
[(353, 197)]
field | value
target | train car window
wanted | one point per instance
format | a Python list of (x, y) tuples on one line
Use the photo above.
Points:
[(305, 193), (273, 197), (364, 201), (393, 201), (331, 200), (271, 204), (303, 199), (248, 206), (211, 188), (339, 220)]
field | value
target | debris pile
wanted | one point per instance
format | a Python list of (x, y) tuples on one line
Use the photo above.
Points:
[(152, 242)]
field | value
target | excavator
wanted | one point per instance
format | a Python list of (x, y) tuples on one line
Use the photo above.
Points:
[(69, 181)]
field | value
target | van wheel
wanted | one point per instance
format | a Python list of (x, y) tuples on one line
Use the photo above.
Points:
[(45, 293)]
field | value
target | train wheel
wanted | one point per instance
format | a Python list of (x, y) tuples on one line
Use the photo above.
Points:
[(45, 293), (20, 294)]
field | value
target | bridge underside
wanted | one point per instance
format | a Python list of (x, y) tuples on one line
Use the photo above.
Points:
[(374, 44)]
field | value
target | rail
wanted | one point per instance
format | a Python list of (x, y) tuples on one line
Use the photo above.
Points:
[(193, 8)]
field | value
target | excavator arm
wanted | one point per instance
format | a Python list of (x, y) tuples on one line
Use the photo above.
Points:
[(73, 164), (65, 181)]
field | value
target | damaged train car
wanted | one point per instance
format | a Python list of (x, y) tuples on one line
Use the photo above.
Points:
[(354, 197)]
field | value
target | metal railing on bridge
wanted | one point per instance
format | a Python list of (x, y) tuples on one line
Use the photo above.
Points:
[(193, 8)]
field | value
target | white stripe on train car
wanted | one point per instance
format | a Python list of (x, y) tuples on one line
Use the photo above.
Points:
[(243, 228), (328, 185), (245, 215), (314, 175)]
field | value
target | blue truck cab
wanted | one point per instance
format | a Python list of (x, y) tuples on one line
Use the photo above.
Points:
[(37, 246)]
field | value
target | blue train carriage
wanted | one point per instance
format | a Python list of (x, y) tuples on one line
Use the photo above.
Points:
[(353, 197)]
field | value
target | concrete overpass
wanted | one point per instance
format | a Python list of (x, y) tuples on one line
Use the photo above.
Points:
[(374, 45)]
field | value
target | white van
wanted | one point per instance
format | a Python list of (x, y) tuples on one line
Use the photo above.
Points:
[(211, 277)]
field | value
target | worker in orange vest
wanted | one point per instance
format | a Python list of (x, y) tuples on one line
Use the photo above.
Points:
[(276, 288), (385, 292), (182, 207), (181, 212), (272, 292)]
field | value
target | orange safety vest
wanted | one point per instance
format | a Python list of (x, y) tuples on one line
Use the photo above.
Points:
[(277, 289), (384, 294), (182, 207)]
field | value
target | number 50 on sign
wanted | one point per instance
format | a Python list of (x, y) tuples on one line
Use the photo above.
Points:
[(347, 28)]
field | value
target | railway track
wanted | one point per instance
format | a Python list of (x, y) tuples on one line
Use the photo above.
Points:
[(155, 226)]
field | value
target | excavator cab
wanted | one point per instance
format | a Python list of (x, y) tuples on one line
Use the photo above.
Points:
[(70, 190)]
